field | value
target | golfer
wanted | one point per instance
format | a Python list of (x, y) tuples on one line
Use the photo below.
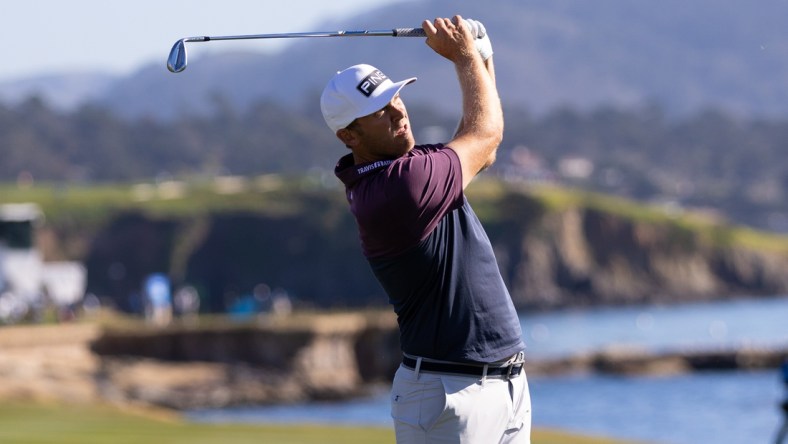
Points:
[(461, 378)]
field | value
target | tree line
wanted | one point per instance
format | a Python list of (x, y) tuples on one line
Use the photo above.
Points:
[(712, 160)]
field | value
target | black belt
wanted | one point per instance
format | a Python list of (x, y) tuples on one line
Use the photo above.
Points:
[(493, 370)]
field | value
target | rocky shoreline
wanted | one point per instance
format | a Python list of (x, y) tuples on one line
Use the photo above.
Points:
[(306, 357), (634, 362)]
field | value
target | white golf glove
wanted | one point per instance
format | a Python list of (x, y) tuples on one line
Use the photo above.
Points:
[(482, 42)]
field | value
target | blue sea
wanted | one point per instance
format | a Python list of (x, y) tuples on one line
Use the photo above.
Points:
[(707, 407)]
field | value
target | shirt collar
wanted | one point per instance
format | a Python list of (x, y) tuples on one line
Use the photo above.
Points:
[(349, 173)]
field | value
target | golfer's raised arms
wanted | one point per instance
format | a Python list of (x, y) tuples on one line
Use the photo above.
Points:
[(481, 127)]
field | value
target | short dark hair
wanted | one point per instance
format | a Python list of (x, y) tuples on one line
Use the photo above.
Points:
[(354, 126)]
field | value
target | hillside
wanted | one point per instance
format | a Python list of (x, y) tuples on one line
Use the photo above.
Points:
[(685, 56), (713, 161), (555, 248)]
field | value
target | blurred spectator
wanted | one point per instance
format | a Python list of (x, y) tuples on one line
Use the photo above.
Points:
[(158, 301), (91, 305), (280, 303), (187, 303)]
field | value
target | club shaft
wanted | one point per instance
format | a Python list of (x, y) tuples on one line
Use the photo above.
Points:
[(176, 62), (398, 32)]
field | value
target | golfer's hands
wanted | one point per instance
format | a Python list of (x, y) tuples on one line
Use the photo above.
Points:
[(450, 38), (482, 39)]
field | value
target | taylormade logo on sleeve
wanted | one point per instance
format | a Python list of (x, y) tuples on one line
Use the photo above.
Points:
[(370, 83)]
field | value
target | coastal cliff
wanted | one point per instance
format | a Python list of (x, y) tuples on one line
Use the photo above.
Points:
[(584, 256), (553, 251), (269, 360)]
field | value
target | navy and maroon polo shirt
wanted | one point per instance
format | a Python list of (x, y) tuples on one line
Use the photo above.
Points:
[(432, 256)]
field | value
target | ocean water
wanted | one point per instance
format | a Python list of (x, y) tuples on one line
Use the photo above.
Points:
[(721, 408), (715, 407), (707, 407), (744, 322)]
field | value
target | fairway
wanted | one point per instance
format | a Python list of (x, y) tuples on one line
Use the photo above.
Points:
[(28, 423)]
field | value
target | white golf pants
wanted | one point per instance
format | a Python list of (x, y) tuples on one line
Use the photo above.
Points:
[(445, 408)]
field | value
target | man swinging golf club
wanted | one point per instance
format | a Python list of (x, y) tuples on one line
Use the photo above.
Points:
[(461, 378)]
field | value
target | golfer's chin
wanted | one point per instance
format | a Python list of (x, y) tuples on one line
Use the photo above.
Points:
[(407, 144)]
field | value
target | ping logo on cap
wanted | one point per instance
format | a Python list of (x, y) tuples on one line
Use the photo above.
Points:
[(370, 83)]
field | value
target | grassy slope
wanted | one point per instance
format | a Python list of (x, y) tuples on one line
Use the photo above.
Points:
[(91, 206), (27, 423), (711, 228)]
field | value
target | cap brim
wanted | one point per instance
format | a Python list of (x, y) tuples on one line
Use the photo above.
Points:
[(381, 100)]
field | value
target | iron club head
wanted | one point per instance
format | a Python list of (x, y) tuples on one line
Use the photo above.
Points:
[(176, 62)]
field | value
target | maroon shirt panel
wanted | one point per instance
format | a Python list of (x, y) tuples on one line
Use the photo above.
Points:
[(400, 202)]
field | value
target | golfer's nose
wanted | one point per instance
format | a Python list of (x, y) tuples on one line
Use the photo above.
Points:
[(397, 108)]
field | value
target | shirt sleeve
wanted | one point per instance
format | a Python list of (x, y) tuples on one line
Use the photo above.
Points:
[(422, 188), (419, 189)]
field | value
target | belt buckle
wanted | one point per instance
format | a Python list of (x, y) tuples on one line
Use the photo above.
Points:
[(514, 370), (518, 361), (509, 369)]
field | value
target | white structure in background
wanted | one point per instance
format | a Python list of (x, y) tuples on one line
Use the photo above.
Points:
[(27, 283), (575, 167), (64, 282)]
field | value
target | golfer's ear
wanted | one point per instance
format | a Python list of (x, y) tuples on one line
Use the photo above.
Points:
[(348, 137)]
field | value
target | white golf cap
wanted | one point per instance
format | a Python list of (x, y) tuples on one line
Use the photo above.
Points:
[(356, 92)]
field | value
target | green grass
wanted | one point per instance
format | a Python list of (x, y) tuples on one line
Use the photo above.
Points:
[(94, 204), (38, 423), (716, 232), (89, 207)]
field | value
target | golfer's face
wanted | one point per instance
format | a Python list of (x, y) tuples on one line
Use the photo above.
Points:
[(386, 133)]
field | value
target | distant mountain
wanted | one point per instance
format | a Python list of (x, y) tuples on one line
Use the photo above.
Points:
[(61, 91), (685, 56)]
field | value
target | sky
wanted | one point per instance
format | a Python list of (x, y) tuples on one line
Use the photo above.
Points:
[(54, 36)]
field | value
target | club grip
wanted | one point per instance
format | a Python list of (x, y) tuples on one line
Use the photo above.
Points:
[(409, 32)]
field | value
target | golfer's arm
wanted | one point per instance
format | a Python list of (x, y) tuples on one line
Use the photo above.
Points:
[(488, 64), (481, 127)]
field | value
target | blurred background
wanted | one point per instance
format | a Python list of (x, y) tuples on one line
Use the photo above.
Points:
[(179, 240)]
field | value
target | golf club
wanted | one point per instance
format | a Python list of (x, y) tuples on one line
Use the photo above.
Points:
[(177, 60)]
